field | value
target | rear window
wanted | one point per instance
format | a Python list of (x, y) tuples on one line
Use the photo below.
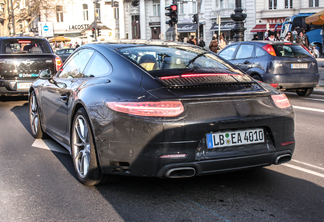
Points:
[(157, 59), (24, 46), (286, 50)]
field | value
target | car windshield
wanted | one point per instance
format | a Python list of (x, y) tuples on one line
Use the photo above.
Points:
[(289, 50), (24, 46), (157, 59)]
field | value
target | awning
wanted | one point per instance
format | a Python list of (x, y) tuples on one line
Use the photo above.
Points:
[(185, 27), (225, 26), (263, 28), (316, 19)]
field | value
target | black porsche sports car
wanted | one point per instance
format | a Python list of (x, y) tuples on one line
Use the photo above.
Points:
[(159, 109)]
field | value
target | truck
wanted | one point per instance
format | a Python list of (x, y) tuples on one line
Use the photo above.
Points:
[(21, 59), (313, 32)]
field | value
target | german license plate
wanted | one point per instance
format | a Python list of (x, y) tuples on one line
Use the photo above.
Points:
[(299, 65), (24, 85), (235, 138)]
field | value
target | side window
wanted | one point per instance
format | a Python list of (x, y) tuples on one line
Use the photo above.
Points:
[(98, 66), (228, 52), (75, 66), (245, 51), (260, 52), (59, 52)]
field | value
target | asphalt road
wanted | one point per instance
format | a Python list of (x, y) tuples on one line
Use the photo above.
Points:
[(38, 182)]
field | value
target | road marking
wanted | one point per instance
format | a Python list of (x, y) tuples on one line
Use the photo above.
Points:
[(304, 170), (49, 144), (309, 109), (307, 164), (314, 99)]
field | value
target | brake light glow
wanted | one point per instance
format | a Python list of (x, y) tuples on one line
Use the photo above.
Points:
[(281, 101), (269, 49), (58, 63), (287, 43), (196, 75), (287, 143), (274, 85), (157, 109), (24, 41)]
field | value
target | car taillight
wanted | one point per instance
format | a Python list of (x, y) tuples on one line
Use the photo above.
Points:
[(157, 109), (269, 49), (274, 85), (58, 63), (281, 101)]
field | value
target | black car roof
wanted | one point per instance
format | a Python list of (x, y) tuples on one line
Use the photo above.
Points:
[(131, 42)]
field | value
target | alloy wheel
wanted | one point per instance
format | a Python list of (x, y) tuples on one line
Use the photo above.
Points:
[(34, 114), (81, 146)]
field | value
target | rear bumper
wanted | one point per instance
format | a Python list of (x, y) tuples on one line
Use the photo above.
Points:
[(13, 87), (292, 81)]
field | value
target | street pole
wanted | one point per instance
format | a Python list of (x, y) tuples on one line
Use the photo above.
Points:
[(175, 25), (238, 19), (95, 19), (13, 19)]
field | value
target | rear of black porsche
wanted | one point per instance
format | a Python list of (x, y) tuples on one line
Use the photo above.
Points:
[(222, 122)]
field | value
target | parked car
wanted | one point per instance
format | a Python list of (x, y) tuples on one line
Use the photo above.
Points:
[(64, 53), (284, 65), (159, 109), (21, 59)]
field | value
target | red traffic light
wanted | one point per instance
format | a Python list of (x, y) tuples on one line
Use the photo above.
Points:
[(174, 7)]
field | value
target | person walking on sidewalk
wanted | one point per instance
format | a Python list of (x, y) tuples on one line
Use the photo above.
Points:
[(213, 46)]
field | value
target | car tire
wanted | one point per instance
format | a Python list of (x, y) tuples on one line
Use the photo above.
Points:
[(257, 77), (83, 151), (304, 92), (34, 120)]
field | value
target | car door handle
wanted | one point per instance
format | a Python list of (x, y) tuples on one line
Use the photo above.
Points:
[(246, 62), (64, 98)]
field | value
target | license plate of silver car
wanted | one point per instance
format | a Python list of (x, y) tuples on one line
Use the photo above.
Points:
[(234, 138), (299, 65)]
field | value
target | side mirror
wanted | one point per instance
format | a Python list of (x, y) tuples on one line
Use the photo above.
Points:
[(45, 73)]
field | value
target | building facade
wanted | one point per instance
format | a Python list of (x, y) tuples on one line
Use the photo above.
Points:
[(145, 19)]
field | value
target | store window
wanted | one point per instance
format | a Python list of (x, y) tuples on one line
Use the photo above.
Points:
[(313, 3), (85, 12), (272, 4), (116, 13), (194, 7), (59, 13)]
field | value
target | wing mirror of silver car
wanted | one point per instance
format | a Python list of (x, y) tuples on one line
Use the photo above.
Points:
[(45, 73)]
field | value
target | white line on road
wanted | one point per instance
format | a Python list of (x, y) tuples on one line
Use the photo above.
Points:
[(314, 99), (309, 109), (307, 164), (304, 170), (49, 144)]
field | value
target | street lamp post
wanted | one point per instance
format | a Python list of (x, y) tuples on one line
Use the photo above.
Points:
[(238, 18), (95, 19)]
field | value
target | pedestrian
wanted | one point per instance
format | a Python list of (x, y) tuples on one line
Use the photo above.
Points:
[(192, 40), (185, 40), (294, 33), (202, 42), (255, 37), (266, 35), (313, 50), (213, 45), (225, 37), (302, 39), (271, 36), (77, 45), (289, 37), (221, 42)]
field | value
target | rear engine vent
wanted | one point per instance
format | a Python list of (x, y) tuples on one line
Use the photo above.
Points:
[(205, 80)]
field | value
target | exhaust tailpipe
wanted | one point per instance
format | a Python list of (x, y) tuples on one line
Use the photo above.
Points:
[(283, 159), (181, 172)]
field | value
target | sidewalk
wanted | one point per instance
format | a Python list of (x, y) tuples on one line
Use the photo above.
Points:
[(320, 87)]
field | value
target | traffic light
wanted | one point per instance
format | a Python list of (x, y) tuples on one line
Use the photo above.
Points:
[(98, 31), (93, 31), (195, 18), (173, 14)]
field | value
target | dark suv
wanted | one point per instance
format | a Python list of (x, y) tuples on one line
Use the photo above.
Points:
[(284, 65)]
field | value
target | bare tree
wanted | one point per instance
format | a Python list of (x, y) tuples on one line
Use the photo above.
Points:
[(25, 12)]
